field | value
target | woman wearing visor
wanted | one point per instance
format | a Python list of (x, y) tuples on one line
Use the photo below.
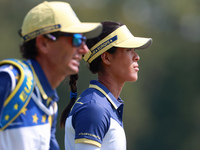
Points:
[(95, 121)]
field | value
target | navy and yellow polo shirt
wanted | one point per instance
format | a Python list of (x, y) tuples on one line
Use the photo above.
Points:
[(96, 118)]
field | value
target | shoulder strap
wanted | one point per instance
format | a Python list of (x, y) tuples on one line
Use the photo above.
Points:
[(20, 96)]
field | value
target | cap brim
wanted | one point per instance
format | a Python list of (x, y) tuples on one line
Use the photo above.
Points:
[(90, 30), (135, 42)]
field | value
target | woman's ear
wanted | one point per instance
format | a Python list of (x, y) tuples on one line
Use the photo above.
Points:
[(106, 58), (42, 44)]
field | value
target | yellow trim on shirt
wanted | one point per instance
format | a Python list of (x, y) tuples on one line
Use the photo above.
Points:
[(44, 95), (104, 93), (88, 141)]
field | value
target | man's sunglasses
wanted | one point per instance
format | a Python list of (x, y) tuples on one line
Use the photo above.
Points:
[(77, 39)]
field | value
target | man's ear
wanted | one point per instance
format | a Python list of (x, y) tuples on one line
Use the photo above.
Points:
[(106, 58), (42, 44)]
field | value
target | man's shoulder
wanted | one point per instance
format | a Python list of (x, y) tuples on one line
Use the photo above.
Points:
[(20, 91), (14, 65)]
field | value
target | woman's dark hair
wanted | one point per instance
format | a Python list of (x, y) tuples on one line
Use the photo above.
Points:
[(72, 83), (94, 66), (108, 27)]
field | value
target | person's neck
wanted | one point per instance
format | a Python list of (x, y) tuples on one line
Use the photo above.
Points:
[(111, 84), (50, 72)]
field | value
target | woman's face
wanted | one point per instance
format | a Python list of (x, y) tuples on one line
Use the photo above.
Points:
[(124, 65)]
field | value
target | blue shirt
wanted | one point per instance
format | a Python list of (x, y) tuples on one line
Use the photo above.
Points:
[(33, 126), (96, 118)]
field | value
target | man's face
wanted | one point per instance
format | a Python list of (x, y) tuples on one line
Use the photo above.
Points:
[(64, 57)]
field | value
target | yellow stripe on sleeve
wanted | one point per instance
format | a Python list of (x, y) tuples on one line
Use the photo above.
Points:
[(88, 141)]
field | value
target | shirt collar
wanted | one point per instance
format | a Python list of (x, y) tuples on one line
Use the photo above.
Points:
[(44, 81), (115, 102)]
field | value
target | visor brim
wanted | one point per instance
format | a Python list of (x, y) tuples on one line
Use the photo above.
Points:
[(135, 42)]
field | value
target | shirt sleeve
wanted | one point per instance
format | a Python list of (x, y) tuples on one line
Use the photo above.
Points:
[(91, 123), (80, 146)]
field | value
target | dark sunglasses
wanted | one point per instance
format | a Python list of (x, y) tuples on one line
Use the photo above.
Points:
[(77, 39)]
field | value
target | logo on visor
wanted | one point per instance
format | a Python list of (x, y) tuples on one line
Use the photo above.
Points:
[(103, 45)]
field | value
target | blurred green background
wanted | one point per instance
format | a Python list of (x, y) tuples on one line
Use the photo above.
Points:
[(162, 108)]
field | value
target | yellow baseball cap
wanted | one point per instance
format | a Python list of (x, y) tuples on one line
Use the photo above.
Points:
[(55, 16), (121, 37)]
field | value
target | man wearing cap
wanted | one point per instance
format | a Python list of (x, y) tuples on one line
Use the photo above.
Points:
[(95, 120), (53, 44)]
